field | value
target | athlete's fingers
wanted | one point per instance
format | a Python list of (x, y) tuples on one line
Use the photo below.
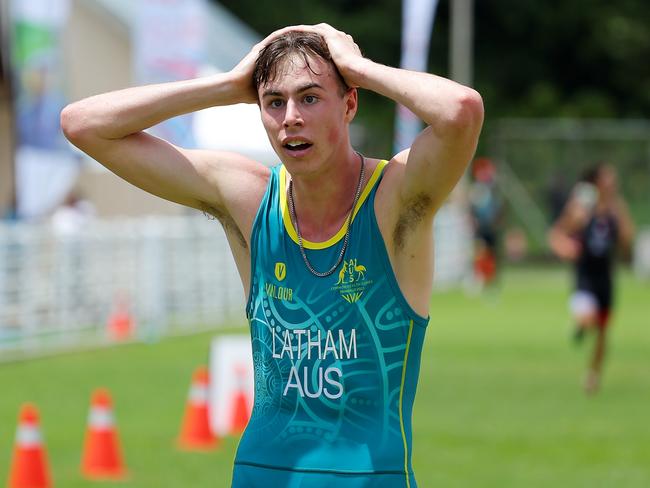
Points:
[(324, 25), (329, 32)]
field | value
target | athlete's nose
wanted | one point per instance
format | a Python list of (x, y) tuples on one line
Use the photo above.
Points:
[(292, 115)]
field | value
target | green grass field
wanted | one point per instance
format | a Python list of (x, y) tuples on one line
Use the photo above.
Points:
[(500, 401)]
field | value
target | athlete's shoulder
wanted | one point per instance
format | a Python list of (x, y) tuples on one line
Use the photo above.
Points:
[(393, 170), (389, 201)]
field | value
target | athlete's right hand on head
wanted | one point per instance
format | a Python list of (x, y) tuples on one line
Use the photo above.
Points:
[(244, 69)]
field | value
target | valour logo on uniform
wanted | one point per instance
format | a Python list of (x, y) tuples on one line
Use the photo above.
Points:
[(352, 281), (279, 292), (280, 270)]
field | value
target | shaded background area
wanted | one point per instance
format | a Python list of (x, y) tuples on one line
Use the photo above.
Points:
[(552, 59), (581, 60)]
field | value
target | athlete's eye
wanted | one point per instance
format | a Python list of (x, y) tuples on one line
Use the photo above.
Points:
[(310, 99), (277, 103)]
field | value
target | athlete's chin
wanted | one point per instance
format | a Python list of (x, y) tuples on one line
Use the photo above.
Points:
[(299, 169), (301, 165)]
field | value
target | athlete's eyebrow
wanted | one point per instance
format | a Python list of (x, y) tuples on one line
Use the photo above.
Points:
[(271, 93), (275, 93), (309, 86)]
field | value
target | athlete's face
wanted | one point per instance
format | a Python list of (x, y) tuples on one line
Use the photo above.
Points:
[(306, 113)]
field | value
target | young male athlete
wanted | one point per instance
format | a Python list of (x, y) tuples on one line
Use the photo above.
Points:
[(594, 223), (334, 248)]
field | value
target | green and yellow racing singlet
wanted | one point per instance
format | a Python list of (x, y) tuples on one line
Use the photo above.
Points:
[(336, 359)]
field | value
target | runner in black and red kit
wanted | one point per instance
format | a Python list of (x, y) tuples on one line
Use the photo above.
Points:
[(594, 267), (594, 223)]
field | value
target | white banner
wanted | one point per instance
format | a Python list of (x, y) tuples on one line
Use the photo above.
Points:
[(417, 24), (43, 180), (50, 13), (45, 167), (169, 45)]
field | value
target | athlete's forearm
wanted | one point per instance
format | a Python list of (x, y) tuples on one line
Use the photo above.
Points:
[(121, 113), (562, 244), (441, 103), (626, 225)]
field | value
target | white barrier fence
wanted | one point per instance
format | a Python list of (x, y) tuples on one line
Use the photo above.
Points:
[(173, 275), (641, 256)]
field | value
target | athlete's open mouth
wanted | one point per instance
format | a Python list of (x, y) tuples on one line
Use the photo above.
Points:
[(297, 145)]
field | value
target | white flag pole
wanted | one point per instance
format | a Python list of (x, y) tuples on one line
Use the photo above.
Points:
[(417, 24)]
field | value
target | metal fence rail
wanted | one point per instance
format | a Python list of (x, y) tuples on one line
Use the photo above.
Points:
[(173, 275), (537, 157)]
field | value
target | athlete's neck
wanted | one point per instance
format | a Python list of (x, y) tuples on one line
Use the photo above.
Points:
[(323, 199)]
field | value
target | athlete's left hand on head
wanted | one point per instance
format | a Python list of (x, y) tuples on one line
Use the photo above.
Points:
[(343, 49)]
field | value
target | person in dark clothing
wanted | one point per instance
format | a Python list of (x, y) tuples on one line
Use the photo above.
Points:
[(594, 223)]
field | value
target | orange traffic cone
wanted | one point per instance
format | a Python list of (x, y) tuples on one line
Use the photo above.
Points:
[(240, 409), (120, 323), (29, 468), (102, 459), (195, 432)]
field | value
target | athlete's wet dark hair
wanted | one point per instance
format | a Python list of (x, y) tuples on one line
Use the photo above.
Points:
[(305, 44)]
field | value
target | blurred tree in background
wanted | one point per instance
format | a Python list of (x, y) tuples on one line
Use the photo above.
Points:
[(583, 58), (580, 58)]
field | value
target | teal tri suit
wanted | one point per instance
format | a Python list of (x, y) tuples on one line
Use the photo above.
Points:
[(336, 359)]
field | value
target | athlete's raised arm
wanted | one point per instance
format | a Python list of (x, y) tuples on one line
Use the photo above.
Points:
[(452, 112), (562, 236), (625, 223), (110, 128)]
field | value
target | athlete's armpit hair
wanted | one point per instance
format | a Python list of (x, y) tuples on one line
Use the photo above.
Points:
[(229, 225), (414, 212)]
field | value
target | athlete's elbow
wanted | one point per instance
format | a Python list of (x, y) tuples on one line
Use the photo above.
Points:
[(74, 124), (463, 115), (84, 126), (467, 112)]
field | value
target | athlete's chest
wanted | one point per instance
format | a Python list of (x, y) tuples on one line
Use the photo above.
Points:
[(288, 279)]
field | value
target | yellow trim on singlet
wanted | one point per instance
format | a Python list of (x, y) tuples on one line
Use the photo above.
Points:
[(286, 215), (401, 415)]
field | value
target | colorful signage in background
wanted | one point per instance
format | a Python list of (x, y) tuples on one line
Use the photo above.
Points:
[(45, 166), (169, 45), (417, 23)]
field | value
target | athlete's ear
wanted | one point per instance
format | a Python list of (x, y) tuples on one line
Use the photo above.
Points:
[(351, 99)]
